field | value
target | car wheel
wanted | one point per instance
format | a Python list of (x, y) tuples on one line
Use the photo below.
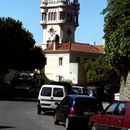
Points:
[(56, 122), (93, 126), (68, 124), (38, 110)]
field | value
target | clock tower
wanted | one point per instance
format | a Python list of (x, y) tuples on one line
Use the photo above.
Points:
[(59, 20)]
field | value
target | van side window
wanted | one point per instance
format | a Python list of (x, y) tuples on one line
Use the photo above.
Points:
[(46, 91), (58, 92)]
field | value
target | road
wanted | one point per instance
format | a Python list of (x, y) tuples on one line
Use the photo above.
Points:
[(22, 115)]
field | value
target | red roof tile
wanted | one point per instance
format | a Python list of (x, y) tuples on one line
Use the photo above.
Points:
[(79, 47)]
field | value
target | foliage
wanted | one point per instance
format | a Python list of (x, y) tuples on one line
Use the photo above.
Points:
[(100, 72), (117, 34), (17, 47)]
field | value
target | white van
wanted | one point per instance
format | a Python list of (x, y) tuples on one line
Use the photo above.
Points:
[(48, 96)]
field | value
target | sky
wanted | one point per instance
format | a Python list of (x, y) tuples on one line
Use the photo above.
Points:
[(91, 21)]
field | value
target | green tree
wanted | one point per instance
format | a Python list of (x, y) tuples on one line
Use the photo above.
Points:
[(117, 34), (100, 72), (117, 40), (17, 47)]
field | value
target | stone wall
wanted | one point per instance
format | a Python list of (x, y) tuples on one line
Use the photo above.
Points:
[(125, 88)]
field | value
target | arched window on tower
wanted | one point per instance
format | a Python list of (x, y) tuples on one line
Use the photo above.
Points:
[(49, 16), (55, 15), (44, 16)]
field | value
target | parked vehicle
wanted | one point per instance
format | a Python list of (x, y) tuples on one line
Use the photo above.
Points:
[(24, 88), (48, 96), (115, 117), (78, 89), (67, 85), (76, 109), (104, 93), (96, 91)]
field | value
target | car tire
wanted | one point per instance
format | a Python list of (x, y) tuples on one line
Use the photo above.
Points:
[(93, 126), (68, 124), (38, 110), (56, 122)]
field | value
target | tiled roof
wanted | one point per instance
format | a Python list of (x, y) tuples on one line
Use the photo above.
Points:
[(78, 47)]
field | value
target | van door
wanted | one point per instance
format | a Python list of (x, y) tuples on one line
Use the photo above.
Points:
[(45, 97), (57, 95)]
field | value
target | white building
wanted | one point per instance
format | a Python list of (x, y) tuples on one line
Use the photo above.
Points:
[(64, 55)]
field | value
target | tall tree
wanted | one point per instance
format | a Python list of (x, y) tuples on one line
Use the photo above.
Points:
[(117, 35), (99, 72), (17, 47)]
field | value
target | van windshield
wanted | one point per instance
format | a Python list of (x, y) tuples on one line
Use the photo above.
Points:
[(46, 91)]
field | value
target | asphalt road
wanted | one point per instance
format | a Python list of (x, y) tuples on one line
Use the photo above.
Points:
[(22, 115)]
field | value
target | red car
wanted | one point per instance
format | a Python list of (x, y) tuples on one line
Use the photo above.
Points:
[(115, 117)]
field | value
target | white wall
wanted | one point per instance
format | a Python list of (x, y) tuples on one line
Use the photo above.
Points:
[(69, 71)]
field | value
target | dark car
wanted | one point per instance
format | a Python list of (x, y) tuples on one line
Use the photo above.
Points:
[(76, 109), (96, 91), (115, 117), (104, 93)]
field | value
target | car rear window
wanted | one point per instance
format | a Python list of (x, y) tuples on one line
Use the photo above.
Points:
[(88, 103), (46, 91)]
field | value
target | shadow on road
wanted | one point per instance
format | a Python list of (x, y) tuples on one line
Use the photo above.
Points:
[(5, 127)]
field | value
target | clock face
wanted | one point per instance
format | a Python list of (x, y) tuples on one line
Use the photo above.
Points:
[(51, 30)]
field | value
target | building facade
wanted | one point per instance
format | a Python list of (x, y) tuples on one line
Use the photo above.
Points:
[(64, 63), (64, 56), (59, 21)]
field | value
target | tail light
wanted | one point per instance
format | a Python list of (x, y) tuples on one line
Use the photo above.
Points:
[(72, 111)]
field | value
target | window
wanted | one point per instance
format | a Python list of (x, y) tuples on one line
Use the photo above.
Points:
[(49, 16), (55, 15), (120, 110), (60, 61), (46, 91), (111, 108), (44, 16), (77, 59), (67, 102), (58, 92)]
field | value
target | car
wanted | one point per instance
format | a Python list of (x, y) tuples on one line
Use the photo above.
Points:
[(115, 117), (96, 91), (78, 89), (49, 94), (76, 109), (104, 93)]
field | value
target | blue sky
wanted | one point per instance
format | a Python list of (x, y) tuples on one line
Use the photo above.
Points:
[(28, 12)]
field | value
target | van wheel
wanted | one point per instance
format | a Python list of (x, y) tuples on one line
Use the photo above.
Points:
[(56, 122), (38, 110), (68, 124)]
